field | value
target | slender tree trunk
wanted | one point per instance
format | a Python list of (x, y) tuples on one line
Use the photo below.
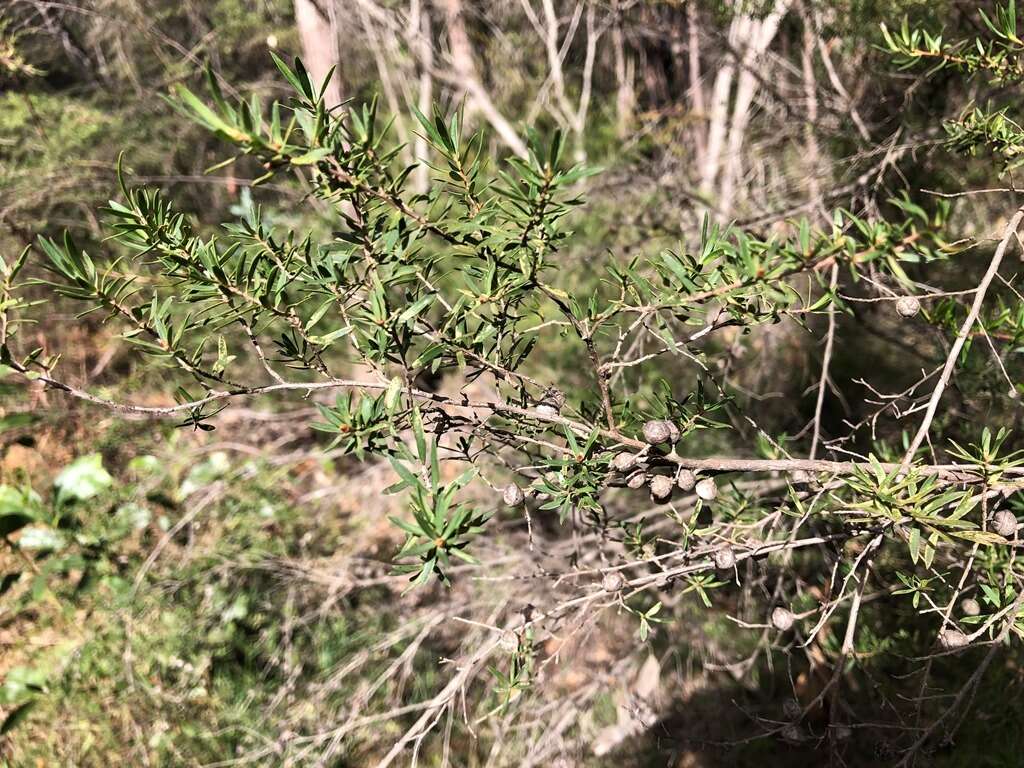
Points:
[(318, 35), (813, 158), (388, 59), (718, 116), (749, 38), (467, 79), (421, 176), (761, 34), (625, 68), (696, 89)]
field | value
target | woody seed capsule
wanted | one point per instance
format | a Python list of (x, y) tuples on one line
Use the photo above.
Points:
[(782, 619), (636, 480), (952, 638), (970, 607), (509, 643), (907, 306), (725, 559), (1004, 523), (548, 410), (661, 488), (613, 581), (800, 477), (513, 495), (623, 462), (659, 431), (686, 480), (707, 489)]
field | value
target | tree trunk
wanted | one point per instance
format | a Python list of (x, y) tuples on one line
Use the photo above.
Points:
[(625, 94), (421, 176), (761, 34), (696, 89), (467, 79), (749, 38), (318, 35)]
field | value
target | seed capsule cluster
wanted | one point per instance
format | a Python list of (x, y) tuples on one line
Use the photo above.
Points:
[(637, 470)]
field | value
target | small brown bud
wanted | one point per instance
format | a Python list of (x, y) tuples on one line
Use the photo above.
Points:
[(623, 462), (636, 480), (950, 639), (686, 480), (907, 306), (782, 619), (661, 488), (707, 489), (970, 606), (1004, 522), (513, 495), (613, 581), (725, 559)]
